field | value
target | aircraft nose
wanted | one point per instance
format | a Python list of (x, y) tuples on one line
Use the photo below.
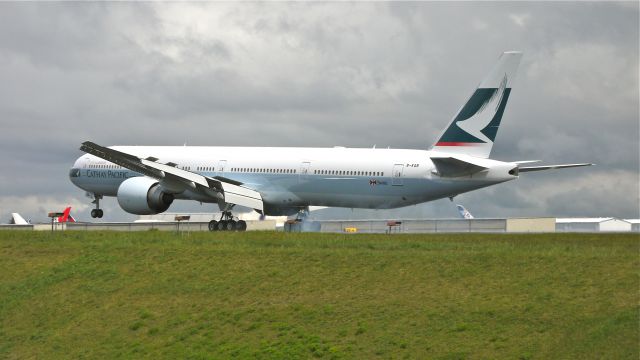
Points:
[(74, 172)]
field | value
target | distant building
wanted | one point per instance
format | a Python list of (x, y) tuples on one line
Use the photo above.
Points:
[(635, 224), (592, 225)]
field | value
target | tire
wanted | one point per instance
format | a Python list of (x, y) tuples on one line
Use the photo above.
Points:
[(100, 213), (241, 225), (222, 225), (231, 225), (94, 213), (213, 225)]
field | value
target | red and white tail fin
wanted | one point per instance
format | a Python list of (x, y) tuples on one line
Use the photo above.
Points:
[(65, 216)]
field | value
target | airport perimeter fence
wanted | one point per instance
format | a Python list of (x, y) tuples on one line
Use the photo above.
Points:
[(418, 226), (134, 226), (164, 226)]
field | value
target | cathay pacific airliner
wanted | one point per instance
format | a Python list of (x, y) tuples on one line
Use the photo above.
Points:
[(285, 181)]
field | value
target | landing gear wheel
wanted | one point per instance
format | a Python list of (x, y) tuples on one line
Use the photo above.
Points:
[(231, 225), (97, 212), (222, 225), (241, 225), (213, 225)]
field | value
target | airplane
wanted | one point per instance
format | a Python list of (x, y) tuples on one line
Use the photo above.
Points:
[(280, 181)]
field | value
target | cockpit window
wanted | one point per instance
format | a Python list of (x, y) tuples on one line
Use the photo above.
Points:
[(74, 173)]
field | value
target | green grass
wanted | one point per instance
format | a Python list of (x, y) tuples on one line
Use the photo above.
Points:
[(276, 295)]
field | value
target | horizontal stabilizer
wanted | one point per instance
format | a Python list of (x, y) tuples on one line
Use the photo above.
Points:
[(526, 161), (549, 167), (453, 167)]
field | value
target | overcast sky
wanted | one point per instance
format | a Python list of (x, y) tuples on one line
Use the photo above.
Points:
[(321, 74)]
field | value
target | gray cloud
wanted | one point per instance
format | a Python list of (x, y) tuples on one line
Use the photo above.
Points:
[(321, 74)]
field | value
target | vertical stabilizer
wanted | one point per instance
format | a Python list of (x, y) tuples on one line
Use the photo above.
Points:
[(473, 130), (65, 216), (464, 213), (16, 219)]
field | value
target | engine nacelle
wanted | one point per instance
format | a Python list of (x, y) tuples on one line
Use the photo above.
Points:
[(143, 196)]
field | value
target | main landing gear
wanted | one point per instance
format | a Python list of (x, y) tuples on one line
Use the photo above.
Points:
[(97, 212), (227, 223)]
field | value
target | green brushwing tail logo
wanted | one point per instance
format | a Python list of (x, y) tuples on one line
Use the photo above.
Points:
[(479, 119)]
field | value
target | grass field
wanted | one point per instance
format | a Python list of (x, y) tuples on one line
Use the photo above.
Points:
[(277, 295)]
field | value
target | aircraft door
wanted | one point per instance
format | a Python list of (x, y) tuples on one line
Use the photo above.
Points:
[(396, 175), (222, 166), (304, 171)]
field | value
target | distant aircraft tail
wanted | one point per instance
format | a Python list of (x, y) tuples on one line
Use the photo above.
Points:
[(464, 213), (17, 219), (66, 217), (473, 130)]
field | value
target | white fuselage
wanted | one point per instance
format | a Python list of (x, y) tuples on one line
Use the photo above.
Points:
[(292, 178)]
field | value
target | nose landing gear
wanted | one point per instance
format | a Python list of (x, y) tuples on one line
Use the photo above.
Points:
[(97, 212)]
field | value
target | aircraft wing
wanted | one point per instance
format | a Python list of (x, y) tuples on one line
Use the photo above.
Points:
[(549, 167), (178, 180)]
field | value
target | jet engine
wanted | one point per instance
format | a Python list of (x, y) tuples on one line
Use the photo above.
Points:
[(143, 196)]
